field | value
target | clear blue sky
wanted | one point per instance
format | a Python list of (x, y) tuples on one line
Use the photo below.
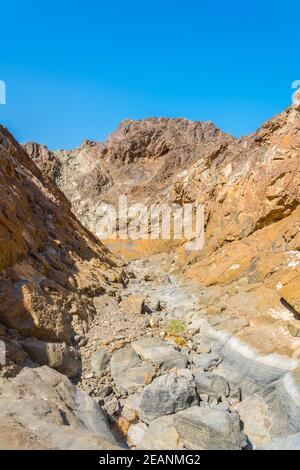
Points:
[(75, 69)]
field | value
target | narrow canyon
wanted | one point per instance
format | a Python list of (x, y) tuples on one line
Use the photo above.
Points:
[(142, 344)]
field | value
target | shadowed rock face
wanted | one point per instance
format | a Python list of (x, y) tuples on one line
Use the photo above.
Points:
[(50, 265)]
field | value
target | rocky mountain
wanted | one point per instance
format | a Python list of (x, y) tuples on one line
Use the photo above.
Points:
[(175, 349), (140, 160)]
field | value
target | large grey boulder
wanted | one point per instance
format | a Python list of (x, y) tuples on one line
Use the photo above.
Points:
[(210, 429), (128, 371), (212, 385), (166, 395), (99, 362), (42, 409), (159, 352), (59, 356)]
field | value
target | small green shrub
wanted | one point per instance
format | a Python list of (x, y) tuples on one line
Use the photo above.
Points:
[(176, 327)]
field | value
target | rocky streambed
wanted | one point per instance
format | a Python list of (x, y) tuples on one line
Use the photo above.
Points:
[(171, 377)]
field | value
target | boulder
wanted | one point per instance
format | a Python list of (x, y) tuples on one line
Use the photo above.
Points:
[(122, 360), (159, 352), (256, 418), (294, 328), (133, 305), (99, 362), (289, 442), (133, 378), (210, 429), (128, 371), (286, 403), (212, 385), (161, 435), (59, 356), (42, 409), (136, 433), (167, 394)]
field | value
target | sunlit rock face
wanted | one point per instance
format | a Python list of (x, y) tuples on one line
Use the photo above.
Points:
[(250, 263), (50, 265), (141, 160)]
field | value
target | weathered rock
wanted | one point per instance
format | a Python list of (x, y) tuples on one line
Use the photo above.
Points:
[(48, 260), (210, 429), (133, 305), (83, 342), (160, 352), (206, 361), (122, 360), (112, 405), (59, 356), (288, 442), (294, 328), (249, 268), (203, 348), (41, 409), (186, 373), (99, 362), (285, 405), (104, 303), (256, 417), (129, 415), (161, 435), (118, 344), (212, 385), (132, 404), (105, 391), (136, 433), (129, 380), (166, 395), (250, 190), (128, 371), (136, 153)]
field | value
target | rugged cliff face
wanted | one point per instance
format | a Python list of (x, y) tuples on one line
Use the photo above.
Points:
[(251, 194), (249, 188), (50, 265), (140, 160)]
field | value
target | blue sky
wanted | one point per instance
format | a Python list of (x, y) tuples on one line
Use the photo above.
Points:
[(75, 69)]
